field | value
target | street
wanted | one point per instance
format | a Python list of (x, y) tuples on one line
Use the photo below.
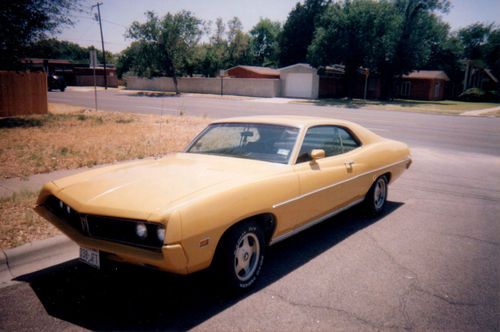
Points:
[(429, 262)]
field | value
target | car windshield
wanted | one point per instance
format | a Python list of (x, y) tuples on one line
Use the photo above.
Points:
[(264, 142)]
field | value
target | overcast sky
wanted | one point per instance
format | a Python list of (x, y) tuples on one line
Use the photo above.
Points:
[(119, 14)]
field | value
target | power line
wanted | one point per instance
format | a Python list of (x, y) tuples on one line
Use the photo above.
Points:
[(118, 24), (104, 20)]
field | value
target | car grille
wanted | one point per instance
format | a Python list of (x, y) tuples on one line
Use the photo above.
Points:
[(105, 228)]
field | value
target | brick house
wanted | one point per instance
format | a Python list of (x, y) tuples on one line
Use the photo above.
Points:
[(252, 72), (423, 85)]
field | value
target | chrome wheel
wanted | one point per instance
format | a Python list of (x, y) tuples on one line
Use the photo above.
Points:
[(246, 256), (380, 193)]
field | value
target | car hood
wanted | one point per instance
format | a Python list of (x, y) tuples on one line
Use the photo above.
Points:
[(135, 190)]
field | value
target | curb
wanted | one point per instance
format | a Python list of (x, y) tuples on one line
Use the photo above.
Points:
[(35, 256)]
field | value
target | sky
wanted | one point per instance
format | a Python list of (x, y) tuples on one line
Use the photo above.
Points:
[(117, 15)]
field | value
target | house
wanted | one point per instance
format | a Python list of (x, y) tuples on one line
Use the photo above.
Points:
[(299, 81), (252, 72), (423, 85), (332, 83), (73, 73), (476, 76), (84, 76)]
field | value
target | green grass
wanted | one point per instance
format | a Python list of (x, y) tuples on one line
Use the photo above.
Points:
[(439, 106)]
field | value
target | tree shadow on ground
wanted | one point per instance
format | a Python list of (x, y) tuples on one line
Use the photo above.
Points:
[(360, 103), (133, 298), (155, 94), (20, 123)]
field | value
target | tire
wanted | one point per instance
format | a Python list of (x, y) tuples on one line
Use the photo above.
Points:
[(62, 89), (376, 198), (240, 256)]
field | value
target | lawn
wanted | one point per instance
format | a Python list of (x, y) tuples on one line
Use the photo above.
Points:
[(439, 106), (19, 223), (70, 137)]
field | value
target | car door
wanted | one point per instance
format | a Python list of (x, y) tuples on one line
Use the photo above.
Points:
[(324, 183)]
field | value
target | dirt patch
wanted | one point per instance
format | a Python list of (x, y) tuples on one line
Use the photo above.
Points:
[(19, 224), (70, 137)]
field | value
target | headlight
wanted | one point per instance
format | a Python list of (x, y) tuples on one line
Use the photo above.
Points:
[(141, 231), (160, 233)]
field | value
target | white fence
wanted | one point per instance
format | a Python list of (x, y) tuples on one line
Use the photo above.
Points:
[(254, 87)]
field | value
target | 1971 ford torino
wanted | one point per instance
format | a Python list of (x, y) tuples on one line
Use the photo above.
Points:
[(241, 185)]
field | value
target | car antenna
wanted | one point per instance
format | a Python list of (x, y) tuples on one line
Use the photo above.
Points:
[(161, 121)]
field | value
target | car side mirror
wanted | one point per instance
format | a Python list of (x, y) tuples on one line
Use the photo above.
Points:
[(317, 154)]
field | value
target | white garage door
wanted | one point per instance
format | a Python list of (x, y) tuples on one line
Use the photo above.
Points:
[(298, 85)]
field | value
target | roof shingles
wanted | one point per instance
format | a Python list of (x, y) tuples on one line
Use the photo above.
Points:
[(427, 75)]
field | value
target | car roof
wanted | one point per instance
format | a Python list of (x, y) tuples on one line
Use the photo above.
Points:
[(287, 120)]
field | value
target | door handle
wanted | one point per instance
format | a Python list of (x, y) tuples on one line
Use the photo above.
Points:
[(349, 163)]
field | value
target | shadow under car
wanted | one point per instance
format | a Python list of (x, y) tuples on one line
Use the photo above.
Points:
[(133, 298)]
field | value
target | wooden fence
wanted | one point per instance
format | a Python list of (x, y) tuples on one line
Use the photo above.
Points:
[(23, 93)]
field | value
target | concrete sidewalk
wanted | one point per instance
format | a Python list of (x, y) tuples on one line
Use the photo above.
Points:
[(35, 256), (33, 183), (480, 112), (40, 254)]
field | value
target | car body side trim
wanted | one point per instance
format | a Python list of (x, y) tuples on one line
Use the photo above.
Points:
[(314, 222), (338, 183)]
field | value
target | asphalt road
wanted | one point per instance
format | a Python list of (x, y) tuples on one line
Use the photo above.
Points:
[(431, 262)]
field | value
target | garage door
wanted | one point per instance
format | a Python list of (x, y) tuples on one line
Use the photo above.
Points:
[(298, 85)]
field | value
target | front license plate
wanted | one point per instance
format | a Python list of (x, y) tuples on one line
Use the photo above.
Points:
[(90, 256)]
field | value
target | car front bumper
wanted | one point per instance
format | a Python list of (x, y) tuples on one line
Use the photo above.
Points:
[(169, 258)]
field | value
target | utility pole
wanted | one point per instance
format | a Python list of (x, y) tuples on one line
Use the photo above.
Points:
[(102, 43)]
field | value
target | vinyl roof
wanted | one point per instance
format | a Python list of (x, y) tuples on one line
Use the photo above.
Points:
[(365, 135), (288, 120)]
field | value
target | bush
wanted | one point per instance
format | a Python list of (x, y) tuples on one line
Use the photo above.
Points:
[(477, 94)]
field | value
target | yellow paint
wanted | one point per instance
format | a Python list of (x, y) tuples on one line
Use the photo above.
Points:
[(200, 196)]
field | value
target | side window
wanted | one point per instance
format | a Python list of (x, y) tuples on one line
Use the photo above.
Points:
[(333, 140), (348, 142)]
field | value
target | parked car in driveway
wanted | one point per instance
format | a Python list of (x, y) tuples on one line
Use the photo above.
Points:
[(56, 82), (242, 185)]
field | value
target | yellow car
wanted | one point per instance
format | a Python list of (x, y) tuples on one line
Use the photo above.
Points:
[(241, 185)]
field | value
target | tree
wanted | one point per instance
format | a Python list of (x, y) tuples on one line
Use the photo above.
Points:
[(474, 37), (357, 34), (165, 43), (415, 38), (59, 49), (298, 31), (216, 53), (129, 59), (226, 48), (265, 42), (481, 45), (238, 44), (491, 52), (24, 22)]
